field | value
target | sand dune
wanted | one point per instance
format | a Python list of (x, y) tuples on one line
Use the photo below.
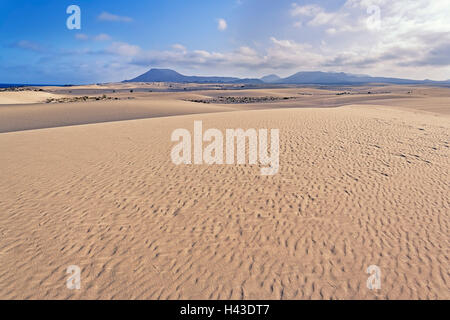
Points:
[(358, 185), (144, 104), (25, 97), (28, 117)]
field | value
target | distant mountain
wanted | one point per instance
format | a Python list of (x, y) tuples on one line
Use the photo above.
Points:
[(272, 78), (167, 75), (317, 77), (310, 77)]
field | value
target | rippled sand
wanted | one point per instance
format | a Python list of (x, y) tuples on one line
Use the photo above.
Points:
[(358, 185)]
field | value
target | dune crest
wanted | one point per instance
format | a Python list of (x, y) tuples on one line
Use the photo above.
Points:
[(25, 97)]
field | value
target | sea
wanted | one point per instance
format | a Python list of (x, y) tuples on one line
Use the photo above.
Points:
[(11, 85)]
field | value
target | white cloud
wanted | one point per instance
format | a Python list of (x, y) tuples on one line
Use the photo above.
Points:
[(81, 36), (124, 49), (222, 24), (281, 54), (381, 36), (411, 41), (179, 47), (106, 16), (28, 45), (99, 37), (102, 37), (316, 16)]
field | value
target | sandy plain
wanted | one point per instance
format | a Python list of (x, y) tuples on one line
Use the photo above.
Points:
[(363, 180)]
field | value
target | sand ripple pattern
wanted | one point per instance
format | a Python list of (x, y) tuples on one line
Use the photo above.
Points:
[(357, 186)]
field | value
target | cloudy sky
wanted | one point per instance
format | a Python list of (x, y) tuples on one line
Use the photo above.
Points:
[(248, 38)]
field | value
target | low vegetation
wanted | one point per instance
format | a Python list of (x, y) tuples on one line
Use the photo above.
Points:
[(19, 89), (84, 99), (241, 100)]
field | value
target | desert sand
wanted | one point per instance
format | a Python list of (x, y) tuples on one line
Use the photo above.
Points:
[(363, 180), (24, 97)]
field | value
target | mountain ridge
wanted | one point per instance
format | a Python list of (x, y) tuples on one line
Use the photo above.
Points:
[(168, 75), (302, 77)]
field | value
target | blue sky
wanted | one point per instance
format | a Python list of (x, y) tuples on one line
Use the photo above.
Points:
[(249, 38)]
